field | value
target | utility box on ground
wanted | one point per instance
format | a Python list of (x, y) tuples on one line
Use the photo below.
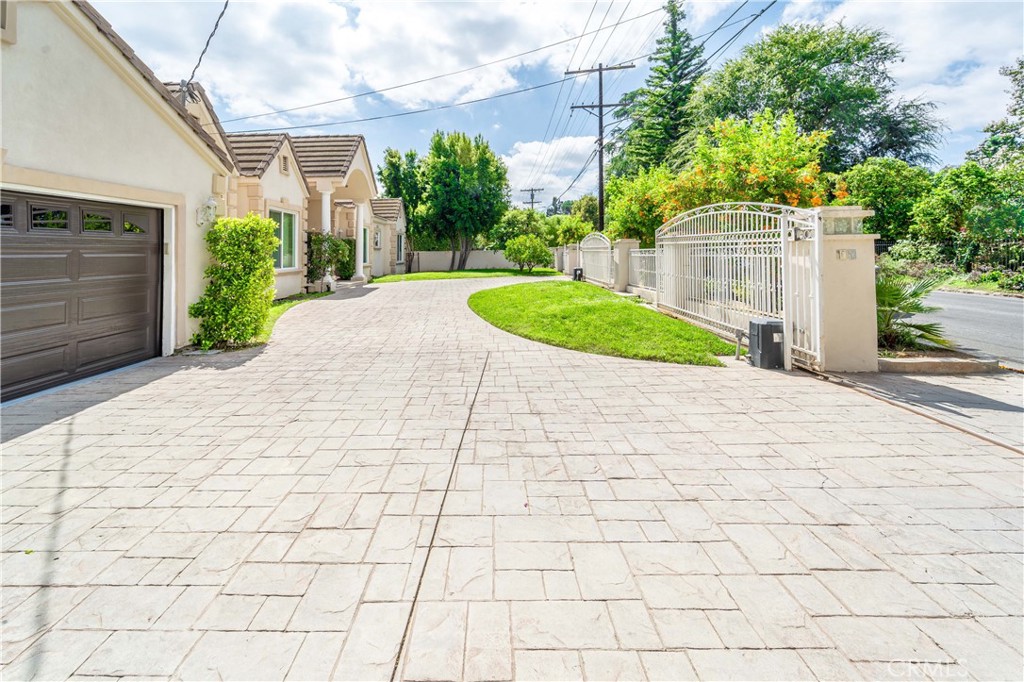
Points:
[(766, 339), (577, 274)]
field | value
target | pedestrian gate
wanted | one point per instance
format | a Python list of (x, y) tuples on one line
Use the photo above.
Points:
[(596, 257)]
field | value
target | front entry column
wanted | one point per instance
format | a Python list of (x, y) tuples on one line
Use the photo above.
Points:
[(360, 217), (326, 188)]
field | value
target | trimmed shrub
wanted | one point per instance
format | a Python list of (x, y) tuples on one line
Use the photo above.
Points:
[(325, 251), (235, 305), (344, 260), (527, 251)]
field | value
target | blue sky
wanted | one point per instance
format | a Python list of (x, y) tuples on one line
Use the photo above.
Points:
[(274, 55)]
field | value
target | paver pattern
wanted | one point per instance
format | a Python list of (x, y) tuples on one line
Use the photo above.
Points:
[(392, 478)]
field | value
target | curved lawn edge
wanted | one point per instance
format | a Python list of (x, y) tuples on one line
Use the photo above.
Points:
[(586, 318)]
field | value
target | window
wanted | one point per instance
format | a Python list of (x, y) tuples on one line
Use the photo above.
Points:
[(134, 224), (284, 255), (7, 216), (376, 239), (284, 164), (93, 221), (366, 247), (8, 21), (400, 248), (49, 218)]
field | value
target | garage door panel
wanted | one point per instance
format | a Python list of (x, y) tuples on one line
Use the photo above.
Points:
[(30, 317), (114, 346), (80, 300), (16, 265), (94, 265), (114, 304), (36, 367)]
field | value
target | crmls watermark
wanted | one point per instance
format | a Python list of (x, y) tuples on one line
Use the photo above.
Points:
[(926, 670)]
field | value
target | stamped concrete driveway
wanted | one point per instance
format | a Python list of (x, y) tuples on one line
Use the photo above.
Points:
[(394, 489)]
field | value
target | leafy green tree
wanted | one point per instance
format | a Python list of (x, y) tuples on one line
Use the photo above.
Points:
[(586, 208), (634, 204), (527, 251), (1004, 145), (656, 113), (834, 78), (465, 191), (400, 176), (515, 222), (567, 229), (765, 160), (890, 188), (236, 303)]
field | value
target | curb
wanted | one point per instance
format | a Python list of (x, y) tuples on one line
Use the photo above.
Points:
[(937, 365)]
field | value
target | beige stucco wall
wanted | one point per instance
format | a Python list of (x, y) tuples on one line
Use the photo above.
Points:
[(431, 261), (849, 325), (79, 120), (282, 192)]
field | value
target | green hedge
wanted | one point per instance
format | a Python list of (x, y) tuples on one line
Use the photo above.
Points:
[(324, 251), (345, 264), (235, 305)]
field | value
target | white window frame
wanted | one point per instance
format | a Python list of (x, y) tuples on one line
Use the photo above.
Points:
[(377, 238), (400, 247), (295, 233)]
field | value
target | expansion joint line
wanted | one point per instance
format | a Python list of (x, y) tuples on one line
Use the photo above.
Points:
[(437, 520)]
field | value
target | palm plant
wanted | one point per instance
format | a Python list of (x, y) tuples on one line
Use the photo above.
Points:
[(898, 298)]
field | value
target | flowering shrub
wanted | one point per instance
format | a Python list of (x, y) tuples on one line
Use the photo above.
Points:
[(765, 160)]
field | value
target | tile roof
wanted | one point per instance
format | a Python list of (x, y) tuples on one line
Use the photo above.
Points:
[(175, 88), (110, 34), (388, 209), (255, 152), (326, 155), (347, 203)]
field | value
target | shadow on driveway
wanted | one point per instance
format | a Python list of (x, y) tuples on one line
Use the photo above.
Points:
[(22, 415)]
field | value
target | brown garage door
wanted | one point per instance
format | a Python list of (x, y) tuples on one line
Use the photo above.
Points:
[(79, 289)]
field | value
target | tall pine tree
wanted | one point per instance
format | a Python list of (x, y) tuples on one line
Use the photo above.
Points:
[(655, 116)]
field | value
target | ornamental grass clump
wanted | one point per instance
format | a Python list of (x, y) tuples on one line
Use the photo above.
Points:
[(235, 305), (898, 299)]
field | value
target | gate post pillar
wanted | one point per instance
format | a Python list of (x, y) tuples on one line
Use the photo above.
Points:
[(620, 254), (849, 323)]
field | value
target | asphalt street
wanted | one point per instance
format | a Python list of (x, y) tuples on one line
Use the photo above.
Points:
[(983, 324)]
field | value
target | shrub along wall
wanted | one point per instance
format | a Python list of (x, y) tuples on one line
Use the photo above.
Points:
[(235, 305)]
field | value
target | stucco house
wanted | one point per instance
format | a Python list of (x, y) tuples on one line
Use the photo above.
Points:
[(108, 184), (267, 181), (388, 239), (271, 184), (341, 186)]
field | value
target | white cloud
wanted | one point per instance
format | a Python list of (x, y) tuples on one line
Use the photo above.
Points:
[(270, 56), (552, 166)]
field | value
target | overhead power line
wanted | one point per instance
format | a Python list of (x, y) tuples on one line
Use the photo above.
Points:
[(410, 113), (216, 25), (586, 165), (420, 81)]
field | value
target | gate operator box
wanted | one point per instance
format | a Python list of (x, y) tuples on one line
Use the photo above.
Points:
[(766, 339)]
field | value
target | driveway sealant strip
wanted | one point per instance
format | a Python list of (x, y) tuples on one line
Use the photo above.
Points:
[(437, 520)]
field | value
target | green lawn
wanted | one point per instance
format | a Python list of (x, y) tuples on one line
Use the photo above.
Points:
[(464, 274), (277, 310), (584, 317)]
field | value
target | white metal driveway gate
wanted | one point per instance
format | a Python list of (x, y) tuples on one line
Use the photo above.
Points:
[(725, 264), (596, 257)]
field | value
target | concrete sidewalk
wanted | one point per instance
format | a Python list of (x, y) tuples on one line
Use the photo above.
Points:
[(991, 405), (393, 486)]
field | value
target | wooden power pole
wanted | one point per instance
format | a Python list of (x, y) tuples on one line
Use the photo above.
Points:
[(600, 106), (532, 202)]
